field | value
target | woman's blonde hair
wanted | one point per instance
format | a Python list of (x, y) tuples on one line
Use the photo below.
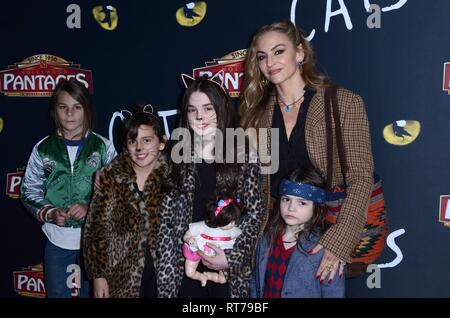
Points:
[(257, 90)]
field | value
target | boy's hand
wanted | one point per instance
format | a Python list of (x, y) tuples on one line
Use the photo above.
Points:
[(58, 216), (77, 211)]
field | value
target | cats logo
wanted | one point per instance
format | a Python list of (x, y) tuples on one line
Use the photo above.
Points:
[(444, 210), (106, 16), (401, 132), (232, 65), (37, 76), (446, 83), (13, 181), (30, 282), (191, 14)]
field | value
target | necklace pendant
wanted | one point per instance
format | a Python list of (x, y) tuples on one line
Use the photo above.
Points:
[(288, 108)]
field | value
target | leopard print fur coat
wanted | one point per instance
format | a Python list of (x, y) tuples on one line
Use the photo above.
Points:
[(120, 225), (176, 214)]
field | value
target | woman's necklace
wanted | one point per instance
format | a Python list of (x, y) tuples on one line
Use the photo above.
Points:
[(289, 107), (287, 242)]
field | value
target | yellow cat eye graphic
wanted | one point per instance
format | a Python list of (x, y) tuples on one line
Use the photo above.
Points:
[(191, 14), (401, 132), (1, 124), (106, 16)]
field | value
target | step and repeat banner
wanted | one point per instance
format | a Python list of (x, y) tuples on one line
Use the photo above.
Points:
[(394, 53)]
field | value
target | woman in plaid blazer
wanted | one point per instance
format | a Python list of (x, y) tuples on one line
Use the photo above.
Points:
[(282, 89)]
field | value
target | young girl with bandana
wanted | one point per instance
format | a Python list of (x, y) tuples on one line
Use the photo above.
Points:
[(285, 266)]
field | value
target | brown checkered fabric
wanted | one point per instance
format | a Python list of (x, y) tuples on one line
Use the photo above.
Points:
[(342, 237)]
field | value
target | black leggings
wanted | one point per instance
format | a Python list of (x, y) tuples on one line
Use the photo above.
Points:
[(193, 289), (148, 281)]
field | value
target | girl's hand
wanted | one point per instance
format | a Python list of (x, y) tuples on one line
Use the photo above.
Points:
[(329, 266), (58, 216), (101, 289), (77, 211), (217, 262)]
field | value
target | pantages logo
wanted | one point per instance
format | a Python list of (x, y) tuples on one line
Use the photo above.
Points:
[(13, 181), (232, 65), (30, 282), (38, 75), (446, 83), (444, 209)]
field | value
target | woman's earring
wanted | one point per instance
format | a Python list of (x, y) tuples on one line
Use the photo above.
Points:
[(300, 63), (264, 81)]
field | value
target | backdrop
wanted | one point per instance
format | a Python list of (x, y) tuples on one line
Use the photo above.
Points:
[(393, 54)]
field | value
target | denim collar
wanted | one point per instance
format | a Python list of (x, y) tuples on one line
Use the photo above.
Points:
[(307, 242)]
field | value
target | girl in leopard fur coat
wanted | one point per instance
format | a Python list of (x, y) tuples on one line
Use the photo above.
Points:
[(206, 110), (120, 232)]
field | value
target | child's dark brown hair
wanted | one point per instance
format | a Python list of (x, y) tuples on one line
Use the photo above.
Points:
[(316, 224)]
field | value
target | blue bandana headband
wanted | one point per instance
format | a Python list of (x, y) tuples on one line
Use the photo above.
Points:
[(306, 191)]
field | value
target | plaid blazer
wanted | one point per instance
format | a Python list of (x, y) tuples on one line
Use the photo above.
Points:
[(342, 237)]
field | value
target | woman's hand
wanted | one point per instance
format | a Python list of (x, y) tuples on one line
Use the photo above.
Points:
[(101, 289), (330, 265), (77, 211), (217, 262)]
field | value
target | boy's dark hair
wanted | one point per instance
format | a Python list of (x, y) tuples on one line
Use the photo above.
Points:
[(80, 93), (276, 225), (130, 127)]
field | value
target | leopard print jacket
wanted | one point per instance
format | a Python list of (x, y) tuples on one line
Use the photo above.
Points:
[(176, 214), (120, 225)]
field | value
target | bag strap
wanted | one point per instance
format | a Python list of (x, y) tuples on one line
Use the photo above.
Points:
[(331, 105), (329, 130)]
